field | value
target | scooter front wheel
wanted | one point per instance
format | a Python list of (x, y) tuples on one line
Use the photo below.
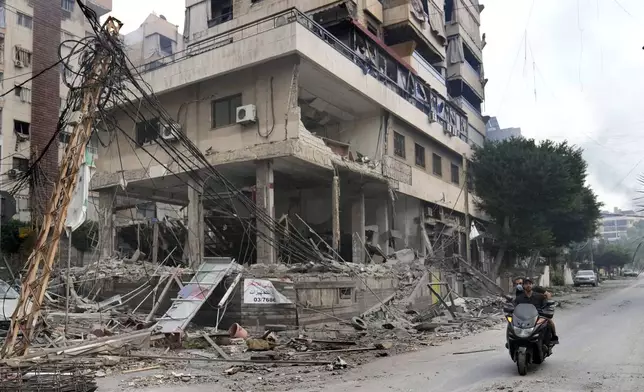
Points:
[(522, 363)]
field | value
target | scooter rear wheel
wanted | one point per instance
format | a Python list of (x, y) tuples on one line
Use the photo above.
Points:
[(522, 363)]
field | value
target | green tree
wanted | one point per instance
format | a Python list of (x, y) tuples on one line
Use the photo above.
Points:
[(534, 194), (614, 256), (13, 235)]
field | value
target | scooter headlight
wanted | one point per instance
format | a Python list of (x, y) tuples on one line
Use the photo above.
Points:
[(523, 332)]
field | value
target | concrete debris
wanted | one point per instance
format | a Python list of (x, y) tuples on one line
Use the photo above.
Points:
[(125, 269)]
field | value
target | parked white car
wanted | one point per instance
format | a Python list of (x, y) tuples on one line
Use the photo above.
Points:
[(585, 277)]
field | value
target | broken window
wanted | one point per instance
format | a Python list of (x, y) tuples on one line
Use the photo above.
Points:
[(165, 44), (21, 127), (224, 110), (25, 20), (23, 93), (456, 176), (346, 293), (147, 131), (420, 155), (399, 145), (22, 57), (220, 12), (437, 165), (21, 164)]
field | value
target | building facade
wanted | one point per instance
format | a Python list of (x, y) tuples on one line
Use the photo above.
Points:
[(615, 225), (496, 133), (31, 33), (369, 106)]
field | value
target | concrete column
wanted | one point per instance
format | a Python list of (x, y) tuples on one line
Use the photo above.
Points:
[(335, 212), (195, 224), (265, 200), (382, 220), (106, 200), (358, 228)]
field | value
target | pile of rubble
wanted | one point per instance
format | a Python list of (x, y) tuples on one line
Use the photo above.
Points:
[(124, 269)]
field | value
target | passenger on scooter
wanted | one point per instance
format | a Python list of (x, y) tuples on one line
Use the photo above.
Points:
[(539, 300), (518, 288)]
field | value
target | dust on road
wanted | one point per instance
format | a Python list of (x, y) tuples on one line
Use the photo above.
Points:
[(600, 351)]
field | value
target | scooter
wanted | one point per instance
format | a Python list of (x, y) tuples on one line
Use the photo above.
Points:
[(528, 334)]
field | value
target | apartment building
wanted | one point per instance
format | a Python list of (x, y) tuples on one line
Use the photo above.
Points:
[(153, 41), (358, 116), (31, 32), (615, 225), (495, 132)]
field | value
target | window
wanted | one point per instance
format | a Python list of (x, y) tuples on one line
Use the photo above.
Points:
[(346, 293), (220, 12), (21, 127), (25, 20), (437, 165), (420, 154), (22, 57), (147, 131), (165, 44), (373, 25), (63, 137), (224, 110), (21, 164), (456, 179), (67, 5), (399, 145), (23, 93), (373, 29)]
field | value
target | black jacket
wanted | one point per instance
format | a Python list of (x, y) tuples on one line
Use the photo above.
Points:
[(537, 299)]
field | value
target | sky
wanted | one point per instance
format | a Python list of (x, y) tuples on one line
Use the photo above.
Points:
[(559, 69)]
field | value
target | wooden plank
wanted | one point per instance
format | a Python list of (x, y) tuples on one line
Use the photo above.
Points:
[(215, 346)]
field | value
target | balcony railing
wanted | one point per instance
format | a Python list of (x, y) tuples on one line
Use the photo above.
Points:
[(369, 55), (423, 63)]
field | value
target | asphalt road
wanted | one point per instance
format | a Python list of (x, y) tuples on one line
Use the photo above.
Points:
[(602, 349)]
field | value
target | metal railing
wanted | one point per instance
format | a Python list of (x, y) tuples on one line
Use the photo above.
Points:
[(423, 63)]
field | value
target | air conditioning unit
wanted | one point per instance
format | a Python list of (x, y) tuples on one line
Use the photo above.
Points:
[(170, 131), (433, 117), (13, 173), (451, 129), (18, 63), (246, 114), (21, 137)]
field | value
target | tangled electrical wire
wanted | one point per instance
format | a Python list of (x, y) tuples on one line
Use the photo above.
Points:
[(122, 85)]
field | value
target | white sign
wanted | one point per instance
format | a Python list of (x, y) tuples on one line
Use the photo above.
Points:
[(261, 291)]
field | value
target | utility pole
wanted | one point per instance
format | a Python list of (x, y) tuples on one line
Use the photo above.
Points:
[(34, 285)]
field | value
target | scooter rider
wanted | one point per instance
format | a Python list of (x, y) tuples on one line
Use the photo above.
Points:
[(518, 288), (539, 300)]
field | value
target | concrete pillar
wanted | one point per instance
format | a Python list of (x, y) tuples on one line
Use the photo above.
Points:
[(265, 200), (195, 224), (106, 200), (335, 212), (382, 220), (358, 228)]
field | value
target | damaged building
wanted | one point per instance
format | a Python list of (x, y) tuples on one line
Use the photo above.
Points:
[(348, 123)]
